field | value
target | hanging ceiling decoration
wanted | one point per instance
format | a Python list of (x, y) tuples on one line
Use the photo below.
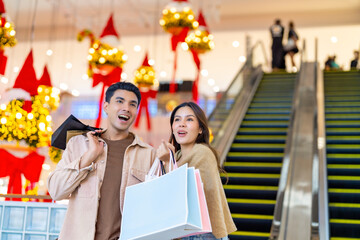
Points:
[(199, 41), (177, 19), (105, 60), (7, 36), (145, 80)]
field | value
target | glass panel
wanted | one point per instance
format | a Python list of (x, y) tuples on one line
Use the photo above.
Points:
[(53, 237), (35, 237), (36, 219), (56, 219), (11, 236), (14, 218), (0, 215)]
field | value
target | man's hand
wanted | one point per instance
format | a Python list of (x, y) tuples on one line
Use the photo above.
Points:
[(96, 148)]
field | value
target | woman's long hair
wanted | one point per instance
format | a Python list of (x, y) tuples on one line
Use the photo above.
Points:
[(203, 137)]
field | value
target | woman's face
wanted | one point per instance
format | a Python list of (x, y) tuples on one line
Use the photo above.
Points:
[(185, 127)]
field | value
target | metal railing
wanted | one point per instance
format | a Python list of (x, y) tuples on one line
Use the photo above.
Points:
[(283, 181), (234, 103), (320, 215)]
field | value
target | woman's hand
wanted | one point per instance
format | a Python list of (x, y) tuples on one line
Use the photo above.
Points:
[(96, 148), (163, 151)]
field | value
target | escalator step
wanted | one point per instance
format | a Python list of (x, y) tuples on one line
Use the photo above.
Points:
[(262, 131), (260, 139), (257, 147), (251, 206), (246, 235), (343, 148), (343, 181), (344, 228), (252, 167), (252, 223), (344, 195), (251, 191), (343, 139), (344, 211)]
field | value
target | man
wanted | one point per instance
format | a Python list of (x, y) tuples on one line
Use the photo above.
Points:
[(278, 54), (354, 62), (94, 171)]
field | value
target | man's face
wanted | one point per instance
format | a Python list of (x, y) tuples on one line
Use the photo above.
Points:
[(121, 110)]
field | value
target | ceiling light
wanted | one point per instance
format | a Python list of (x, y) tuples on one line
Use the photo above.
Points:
[(49, 52), (64, 86), (163, 74), (235, 44), (124, 76), (68, 65), (75, 93), (204, 72), (242, 59), (151, 62), (137, 48), (4, 80), (211, 82)]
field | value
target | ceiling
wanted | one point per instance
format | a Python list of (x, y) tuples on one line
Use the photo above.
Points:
[(41, 20)]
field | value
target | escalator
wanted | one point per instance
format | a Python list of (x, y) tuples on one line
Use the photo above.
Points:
[(254, 161), (342, 115)]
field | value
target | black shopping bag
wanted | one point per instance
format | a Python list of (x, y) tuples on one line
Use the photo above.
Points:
[(59, 137)]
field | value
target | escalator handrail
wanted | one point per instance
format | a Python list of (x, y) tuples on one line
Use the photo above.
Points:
[(229, 128), (320, 216), (247, 64), (279, 206)]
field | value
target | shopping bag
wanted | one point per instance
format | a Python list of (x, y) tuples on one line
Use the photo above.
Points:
[(290, 44), (166, 207), (205, 218), (157, 168), (60, 137)]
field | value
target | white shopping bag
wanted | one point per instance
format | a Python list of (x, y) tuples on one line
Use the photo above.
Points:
[(166, 207)]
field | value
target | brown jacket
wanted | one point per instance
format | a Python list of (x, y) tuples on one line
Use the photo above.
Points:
[(82, 186), (201, 157)]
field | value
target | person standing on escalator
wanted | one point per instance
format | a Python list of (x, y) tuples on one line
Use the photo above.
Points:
[(278, 54)]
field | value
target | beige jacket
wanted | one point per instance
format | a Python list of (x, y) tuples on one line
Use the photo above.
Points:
[(82, 186), (201, 157)]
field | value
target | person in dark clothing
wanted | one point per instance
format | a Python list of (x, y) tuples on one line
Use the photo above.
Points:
[(355, 61), (278, 54), (291, 46)]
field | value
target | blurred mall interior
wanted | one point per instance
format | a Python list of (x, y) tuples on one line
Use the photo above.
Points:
[(289, 139)]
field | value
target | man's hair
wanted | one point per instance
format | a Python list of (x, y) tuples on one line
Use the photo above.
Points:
[(122, 86)]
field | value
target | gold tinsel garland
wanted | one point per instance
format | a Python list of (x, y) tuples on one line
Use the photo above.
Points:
[(172, 19), (201, 41), (55, 154), (145, 75), (17, 124), (7, 34), (49, 96)]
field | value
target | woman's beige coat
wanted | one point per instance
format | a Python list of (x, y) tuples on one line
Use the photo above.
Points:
[(201, 157)]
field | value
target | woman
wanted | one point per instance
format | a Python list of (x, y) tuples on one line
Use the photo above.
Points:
[(190, 138), (291, 47)]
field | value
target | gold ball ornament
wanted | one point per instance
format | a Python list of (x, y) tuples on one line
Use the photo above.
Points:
[(7, 34), (104, 58), (145, 76), (200, 41), (176, 16), (171, 105)]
